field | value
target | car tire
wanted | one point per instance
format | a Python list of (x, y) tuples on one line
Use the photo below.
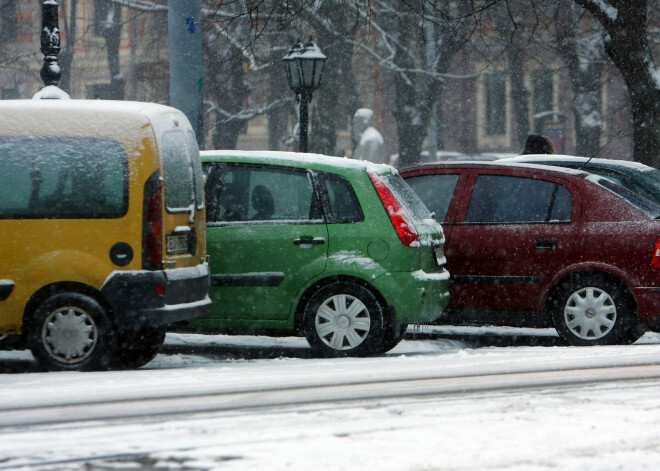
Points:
[(71, 332), (137, 348), (595, 311), (344, 319), (391, 339)]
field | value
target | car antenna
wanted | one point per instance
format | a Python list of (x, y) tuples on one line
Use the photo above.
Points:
[(598, 151)]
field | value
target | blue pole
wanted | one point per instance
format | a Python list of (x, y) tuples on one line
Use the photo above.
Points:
[(185, 46)]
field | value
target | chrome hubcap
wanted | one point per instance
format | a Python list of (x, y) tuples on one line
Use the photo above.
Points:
[(590, 313), (342, 322), (69, 334)]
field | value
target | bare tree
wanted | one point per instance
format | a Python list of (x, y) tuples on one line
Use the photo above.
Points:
[(515, 32), (69, 25), (581, 47), (226, 86), (626, 43), (337, 29), (418, 86), (111, 31)]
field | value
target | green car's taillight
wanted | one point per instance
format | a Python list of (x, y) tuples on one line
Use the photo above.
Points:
[(398, 215)]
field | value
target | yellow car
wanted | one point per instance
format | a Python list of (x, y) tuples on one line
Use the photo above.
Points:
[(102, 230)]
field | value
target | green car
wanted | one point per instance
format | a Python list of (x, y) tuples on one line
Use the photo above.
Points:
[(338, 250)]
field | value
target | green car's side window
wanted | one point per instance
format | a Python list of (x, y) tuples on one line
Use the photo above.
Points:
[(242, 193), (342, 205)]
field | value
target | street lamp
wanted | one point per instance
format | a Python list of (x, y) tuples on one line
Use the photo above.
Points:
[(50, 43), (304, 67)]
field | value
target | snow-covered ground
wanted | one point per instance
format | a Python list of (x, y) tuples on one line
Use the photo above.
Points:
[(610, 425)]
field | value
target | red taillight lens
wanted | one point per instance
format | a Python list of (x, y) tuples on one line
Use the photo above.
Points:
[(655, 260), (396, 212), (152, 250)]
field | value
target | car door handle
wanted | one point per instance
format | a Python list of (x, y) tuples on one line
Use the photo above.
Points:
[(545, 244), (306, 240)]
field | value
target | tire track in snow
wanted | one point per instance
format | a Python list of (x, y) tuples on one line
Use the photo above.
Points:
[(290, 396)]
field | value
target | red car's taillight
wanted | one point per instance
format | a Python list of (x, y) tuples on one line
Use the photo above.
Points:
[(152, 238), (655, 260), (395, 211)]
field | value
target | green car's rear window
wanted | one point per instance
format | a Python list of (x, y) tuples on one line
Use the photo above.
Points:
[(62, 178)]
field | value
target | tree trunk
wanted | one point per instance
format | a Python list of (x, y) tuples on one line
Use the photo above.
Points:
[(585, 66), (112, 36), (226, 86), (519, 94), (416, 94), (334, 27), (628, 48), (65, 58), (278, 89), (230, 91), (326, 113)]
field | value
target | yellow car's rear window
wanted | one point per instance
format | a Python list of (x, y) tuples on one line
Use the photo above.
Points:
[(62, 178)]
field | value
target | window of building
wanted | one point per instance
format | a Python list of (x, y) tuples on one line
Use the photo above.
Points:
[(9, 21), (10, 93), (495, 88), (101, 8), (543, 84)]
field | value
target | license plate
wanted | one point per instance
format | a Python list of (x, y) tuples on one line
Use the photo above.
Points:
[(439, 254), (177, 243)]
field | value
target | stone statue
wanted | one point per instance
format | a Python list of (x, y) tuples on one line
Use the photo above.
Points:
[(369, 141)]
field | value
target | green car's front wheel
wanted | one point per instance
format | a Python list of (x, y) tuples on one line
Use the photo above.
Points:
[(344, 319)]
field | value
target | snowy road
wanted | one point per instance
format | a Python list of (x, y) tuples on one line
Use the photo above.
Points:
[(435, 402)]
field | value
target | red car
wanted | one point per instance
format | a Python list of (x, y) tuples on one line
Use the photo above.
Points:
[(538, 245)]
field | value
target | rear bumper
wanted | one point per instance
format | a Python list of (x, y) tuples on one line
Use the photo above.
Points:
[(415, 296), (648, 306), (135, 295)]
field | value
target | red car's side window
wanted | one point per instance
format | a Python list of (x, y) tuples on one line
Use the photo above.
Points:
[(510, 199)]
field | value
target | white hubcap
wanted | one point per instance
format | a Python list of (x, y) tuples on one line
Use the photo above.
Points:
[(590, 313), (342, 322), (69, 335)]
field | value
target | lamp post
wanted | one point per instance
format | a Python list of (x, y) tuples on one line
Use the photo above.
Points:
[(50, 43), (304, 67)]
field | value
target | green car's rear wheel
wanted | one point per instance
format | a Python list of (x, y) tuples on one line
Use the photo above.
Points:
[(344, 319)]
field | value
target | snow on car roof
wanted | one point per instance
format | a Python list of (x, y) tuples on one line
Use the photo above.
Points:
[(84, 115), (532, 158), (98, 105), (154, 112), (502, 163), (295, 158)]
